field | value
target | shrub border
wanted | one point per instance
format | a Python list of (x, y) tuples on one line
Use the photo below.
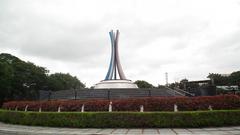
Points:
[(220, 102), (124, 119)]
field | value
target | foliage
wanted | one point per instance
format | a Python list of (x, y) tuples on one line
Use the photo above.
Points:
[(20, 79), (218, 79), (184, 80), (161, 86), (61, 81), (23, 80), (123, 119), (232, 79), (143, 84), (173, 85), (132, 104), (5, 80)]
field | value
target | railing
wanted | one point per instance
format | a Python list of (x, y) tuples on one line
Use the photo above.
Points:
[(184, 92), (175, 92), (108, 93)]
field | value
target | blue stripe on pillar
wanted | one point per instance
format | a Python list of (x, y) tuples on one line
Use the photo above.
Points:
[(111, 66), (113, 55)]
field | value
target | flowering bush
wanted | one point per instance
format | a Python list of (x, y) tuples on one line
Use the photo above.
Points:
[(133, 104)]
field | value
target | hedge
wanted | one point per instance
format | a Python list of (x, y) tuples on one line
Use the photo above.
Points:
[(123, 119), (222, 102)]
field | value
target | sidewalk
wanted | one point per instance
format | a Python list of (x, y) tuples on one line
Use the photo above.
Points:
[(8, 129)]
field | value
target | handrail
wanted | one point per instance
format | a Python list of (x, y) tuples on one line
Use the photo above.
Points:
[(175, 91), (185, 92)]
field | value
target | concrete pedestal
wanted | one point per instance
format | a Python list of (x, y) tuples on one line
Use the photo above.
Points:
[(111, 84)]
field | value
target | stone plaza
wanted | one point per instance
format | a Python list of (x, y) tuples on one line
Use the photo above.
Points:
[(9, 129)]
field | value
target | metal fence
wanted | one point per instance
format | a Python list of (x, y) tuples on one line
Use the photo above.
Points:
[(106, 93)]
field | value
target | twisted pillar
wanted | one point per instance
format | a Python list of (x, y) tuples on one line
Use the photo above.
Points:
[(115, 65)]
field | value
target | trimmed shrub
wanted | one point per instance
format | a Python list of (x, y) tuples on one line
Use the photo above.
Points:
[(223, 102), (123, 119)]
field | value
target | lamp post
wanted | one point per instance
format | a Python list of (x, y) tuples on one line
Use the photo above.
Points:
[(28, 86)]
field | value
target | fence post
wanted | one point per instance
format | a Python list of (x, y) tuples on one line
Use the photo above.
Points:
[(175, 108), (82, 109), (59, 109), (149, 93), (49, 95), (110, 107), (75, 94), (141, 108), (108, 95), (210, 107), (26, 107)]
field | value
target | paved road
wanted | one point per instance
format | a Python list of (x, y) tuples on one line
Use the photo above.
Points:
[(8, 129)]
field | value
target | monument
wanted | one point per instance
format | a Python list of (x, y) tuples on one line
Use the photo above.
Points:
[(115, 69)]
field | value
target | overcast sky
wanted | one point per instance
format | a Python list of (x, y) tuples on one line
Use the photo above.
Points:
[(186, 38)]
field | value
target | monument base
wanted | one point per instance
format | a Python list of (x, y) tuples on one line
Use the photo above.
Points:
[(111, 84)]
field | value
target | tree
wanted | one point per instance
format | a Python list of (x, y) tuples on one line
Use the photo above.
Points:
[(219, 79), (173, 85), (143, 84), (23, 80), (5, 80), (160, 86), (61, 81), (184, 81), (20, 79), (234, 78)]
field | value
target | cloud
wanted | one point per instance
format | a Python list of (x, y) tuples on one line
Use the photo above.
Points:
[(184, 38), (224, 52)]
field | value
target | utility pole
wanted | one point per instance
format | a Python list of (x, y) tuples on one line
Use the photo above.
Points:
[(166, 77)]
